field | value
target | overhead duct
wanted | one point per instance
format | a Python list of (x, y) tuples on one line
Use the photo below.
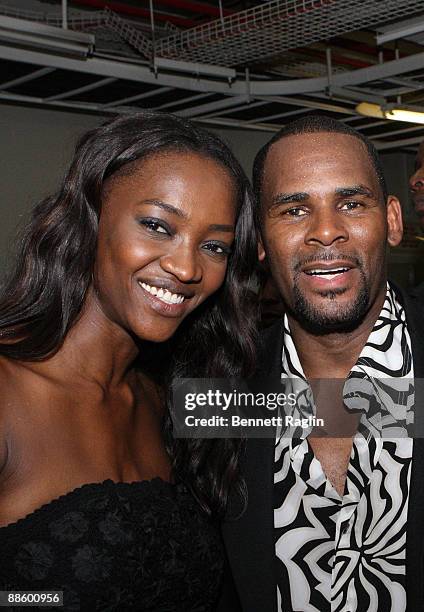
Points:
[(39, 37)]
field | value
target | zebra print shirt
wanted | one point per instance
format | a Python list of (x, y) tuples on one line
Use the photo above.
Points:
[(346, 554)]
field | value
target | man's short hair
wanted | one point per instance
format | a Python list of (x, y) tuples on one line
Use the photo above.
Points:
[(312, 124)]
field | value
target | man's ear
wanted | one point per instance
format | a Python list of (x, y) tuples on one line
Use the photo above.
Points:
[(261, 250), (394, 221)]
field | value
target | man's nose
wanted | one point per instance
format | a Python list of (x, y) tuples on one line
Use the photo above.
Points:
[(325, 228), (416, 182), (183, 263)]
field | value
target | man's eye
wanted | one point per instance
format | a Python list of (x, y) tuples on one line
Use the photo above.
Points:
[(351, 205), (295, 212), (218, 249), (154, 226)]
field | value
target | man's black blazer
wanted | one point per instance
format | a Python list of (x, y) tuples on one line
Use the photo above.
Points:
[(250, 584)]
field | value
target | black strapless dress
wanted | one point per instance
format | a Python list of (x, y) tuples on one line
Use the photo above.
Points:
[(117, 546)]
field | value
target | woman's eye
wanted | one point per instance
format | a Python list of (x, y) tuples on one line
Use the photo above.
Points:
[(154, 226), (218, 249)]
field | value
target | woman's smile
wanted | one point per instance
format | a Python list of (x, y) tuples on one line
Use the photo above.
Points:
[(163, 301), (163, 294)]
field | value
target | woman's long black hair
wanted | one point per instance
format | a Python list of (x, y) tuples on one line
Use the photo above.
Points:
[(45, 292)]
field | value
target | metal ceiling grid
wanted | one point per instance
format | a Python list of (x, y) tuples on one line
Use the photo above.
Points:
[(48, 82), (345, 71), (276, 26)]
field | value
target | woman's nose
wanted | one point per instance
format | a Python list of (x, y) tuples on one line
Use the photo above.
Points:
[(183, 263)]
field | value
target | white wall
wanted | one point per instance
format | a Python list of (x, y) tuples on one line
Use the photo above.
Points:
[(35, 148), (244, 143)]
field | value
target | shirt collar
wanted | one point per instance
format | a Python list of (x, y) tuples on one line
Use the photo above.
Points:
[(388, 330), (379, 384)]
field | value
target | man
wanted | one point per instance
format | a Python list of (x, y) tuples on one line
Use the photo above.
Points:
[(331, 523), (416, 184)]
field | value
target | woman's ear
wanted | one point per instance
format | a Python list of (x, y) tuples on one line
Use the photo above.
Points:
[(261, 251)]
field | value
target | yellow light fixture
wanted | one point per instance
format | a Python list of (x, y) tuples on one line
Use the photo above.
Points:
[(391, 111)]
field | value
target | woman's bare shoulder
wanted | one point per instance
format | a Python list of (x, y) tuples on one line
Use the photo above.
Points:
[(21, 386), (14, 387)]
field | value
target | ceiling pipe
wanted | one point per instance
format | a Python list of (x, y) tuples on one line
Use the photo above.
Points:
[(65, 14), (140, 73)]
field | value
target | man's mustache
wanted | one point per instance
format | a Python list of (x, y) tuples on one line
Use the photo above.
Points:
[(320, 256)]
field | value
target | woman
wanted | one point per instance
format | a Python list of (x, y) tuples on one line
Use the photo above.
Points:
[(151, 227)]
